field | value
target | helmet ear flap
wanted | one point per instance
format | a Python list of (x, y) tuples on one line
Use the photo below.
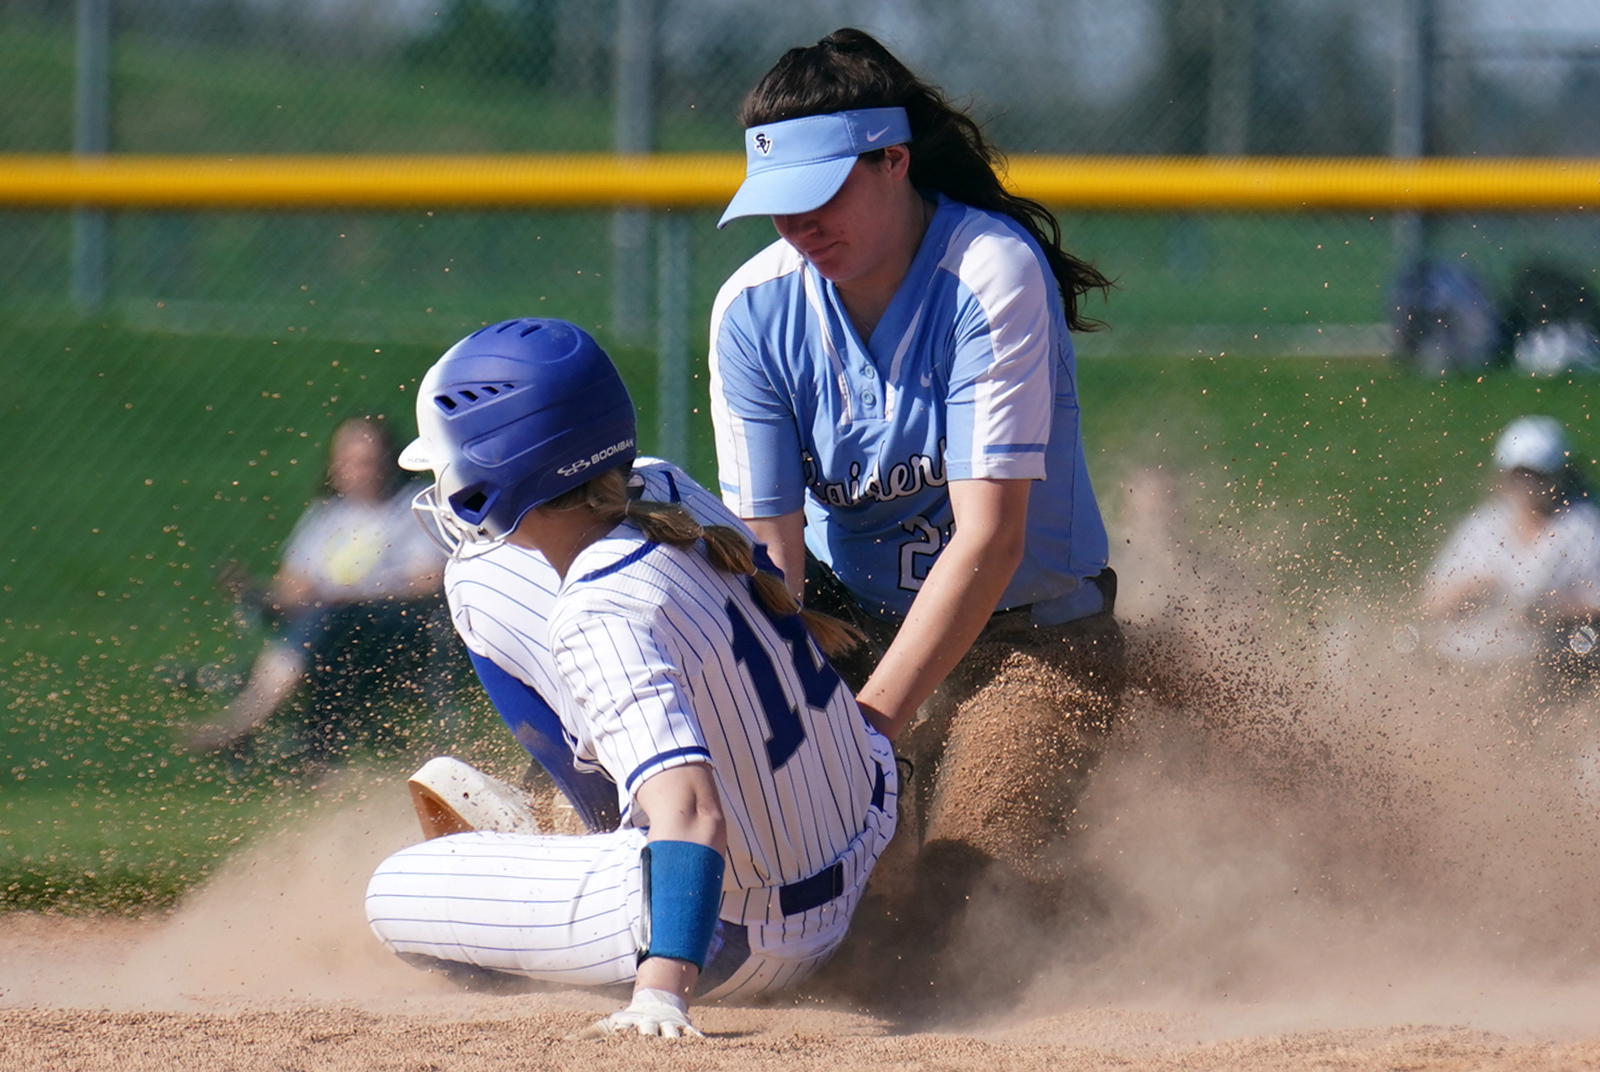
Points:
[(472, 503)]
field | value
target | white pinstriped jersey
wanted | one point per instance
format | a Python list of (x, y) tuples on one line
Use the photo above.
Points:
[(500, 600), (500, 603), (968, 375), (654, 658)]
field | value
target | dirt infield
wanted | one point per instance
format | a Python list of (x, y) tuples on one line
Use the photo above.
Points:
[(272, 968), (1302, 848), (524, 1035)]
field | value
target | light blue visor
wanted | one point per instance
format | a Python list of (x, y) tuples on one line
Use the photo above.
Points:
[(799, 164)]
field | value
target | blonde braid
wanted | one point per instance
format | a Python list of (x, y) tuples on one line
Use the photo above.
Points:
[(726, 548), (730, 552)]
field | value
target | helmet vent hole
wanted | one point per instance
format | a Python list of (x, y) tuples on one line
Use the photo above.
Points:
[(468, 395), (490, 389), (530, 330), (445, 402)]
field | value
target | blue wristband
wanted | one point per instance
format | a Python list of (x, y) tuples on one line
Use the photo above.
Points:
[(682, 896)]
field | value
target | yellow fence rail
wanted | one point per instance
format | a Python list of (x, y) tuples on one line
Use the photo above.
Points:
[(708, 180)]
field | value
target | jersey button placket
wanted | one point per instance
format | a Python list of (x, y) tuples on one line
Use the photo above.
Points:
[(869, 390)]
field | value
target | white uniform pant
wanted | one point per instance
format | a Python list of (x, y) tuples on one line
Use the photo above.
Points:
[(567, 910)]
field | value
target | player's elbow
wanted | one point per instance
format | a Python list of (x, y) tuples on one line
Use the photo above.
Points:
[(703, 821), (703, 824), (1006, 547), (683, 805), (715, 826), (997, 550), (714, 833)]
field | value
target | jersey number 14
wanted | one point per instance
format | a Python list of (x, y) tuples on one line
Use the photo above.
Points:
[(818, 679)]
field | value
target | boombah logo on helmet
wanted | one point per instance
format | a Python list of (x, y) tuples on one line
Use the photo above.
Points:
[(516, 414), (595, 459)]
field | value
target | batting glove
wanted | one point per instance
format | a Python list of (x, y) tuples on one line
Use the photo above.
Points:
[(652, 1012)]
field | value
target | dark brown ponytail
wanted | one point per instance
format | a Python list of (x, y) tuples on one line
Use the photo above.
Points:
[(850, 69)]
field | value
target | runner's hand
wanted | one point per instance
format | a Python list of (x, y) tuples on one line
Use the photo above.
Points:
[(652, 1012)]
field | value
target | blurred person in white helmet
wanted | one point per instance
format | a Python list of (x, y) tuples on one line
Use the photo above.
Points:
[(1520, 576)]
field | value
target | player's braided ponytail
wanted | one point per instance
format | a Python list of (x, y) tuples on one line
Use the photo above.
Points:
[(727, 549), (850, 69)]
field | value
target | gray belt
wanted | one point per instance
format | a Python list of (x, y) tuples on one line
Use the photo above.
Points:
[(1095, 594)]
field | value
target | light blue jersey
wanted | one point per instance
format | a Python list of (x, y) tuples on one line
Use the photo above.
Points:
[(969, 375)]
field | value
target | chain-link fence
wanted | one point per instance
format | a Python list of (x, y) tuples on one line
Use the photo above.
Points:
[(1074, 76), (173, 377), (1264, 77)]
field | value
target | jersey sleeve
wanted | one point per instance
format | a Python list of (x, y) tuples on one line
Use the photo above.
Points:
[(759, 467), (628, 682), (500, 604), (1001, 397)]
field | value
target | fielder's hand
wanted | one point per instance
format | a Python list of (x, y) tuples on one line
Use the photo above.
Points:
[(653, 1012)]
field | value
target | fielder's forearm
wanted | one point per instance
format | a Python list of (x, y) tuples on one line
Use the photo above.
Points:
[(290, 591), (785, 539), (955, 602)]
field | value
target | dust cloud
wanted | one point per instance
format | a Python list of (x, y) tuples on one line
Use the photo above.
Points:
[(282, 921), (1304, 827), (1292, 829)]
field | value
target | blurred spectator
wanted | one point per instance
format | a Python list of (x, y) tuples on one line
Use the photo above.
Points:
[(1520, 577), (1444, 322), (358, 585), (1553, 323)]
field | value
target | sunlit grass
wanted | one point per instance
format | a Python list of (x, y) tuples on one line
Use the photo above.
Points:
[(150, 457), (1331, 474)]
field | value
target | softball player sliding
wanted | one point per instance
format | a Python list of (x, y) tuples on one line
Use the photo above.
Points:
[(753, 797)]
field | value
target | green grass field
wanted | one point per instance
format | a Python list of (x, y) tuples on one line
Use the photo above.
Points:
[(186, 425), (175, 97), (1236, 269), (145, 459)]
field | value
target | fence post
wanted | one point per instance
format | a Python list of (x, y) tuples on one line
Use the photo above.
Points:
[(91, 136), (634, 85), (673, 249), (1233, 27), (1411, 132)]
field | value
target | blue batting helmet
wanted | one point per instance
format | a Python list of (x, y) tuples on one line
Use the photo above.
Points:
[(514, 415)]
